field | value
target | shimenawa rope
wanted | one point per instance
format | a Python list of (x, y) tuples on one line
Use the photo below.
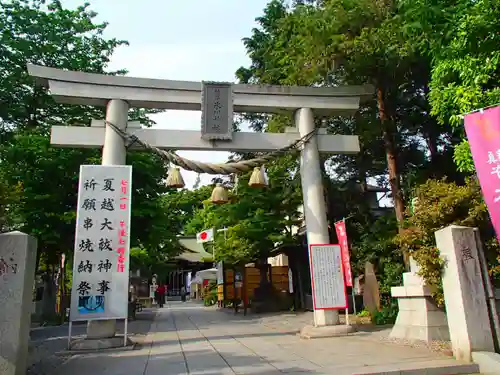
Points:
[(211, 168)]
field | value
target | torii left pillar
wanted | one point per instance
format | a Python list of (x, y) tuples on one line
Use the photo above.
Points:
[(114, 152), (314, 198)]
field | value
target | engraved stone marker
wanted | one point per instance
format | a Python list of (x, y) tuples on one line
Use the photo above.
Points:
[(17, 277), (464, 294)]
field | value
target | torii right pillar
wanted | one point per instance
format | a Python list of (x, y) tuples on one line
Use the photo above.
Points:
[(326, 322)]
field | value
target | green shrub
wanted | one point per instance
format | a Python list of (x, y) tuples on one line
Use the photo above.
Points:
[(387, 314), (364, 313), (438, 204), (210, 298)]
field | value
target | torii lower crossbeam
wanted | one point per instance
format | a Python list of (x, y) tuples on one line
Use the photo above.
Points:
[(92, 137)]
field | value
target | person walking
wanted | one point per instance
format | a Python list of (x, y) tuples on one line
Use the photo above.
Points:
[(183, 294), (161, 295)]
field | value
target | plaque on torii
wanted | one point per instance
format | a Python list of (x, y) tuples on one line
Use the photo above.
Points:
[(217, 111)]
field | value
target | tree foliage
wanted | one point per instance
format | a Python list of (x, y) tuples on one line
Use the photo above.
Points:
[(46, 33), (439, 204), (257, 219), (462, 37), (335, 42), (428, 60)]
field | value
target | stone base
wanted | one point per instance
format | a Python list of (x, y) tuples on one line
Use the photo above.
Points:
[(326, 318), (420, 333), (418, 318), (101, 329), (312, 332), (99, 344), (489, 363)]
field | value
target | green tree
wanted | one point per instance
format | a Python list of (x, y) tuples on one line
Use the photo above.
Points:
[(462, 37), (439, 204), (257, 218), (336, 42), (9, 199), (44, 32)]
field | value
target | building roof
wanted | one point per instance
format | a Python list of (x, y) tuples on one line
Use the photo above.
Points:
[(194, 251)]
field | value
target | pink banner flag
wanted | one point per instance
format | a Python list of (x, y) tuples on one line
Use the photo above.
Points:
[(483, 132), (344, 247)]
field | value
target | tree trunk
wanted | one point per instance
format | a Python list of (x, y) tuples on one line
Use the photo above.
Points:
[(263, 268), (392, 167)]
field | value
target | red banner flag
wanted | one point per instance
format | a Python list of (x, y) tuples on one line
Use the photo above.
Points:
[(344, 247), (483, 133)]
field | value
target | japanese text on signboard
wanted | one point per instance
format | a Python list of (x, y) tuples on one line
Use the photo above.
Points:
[(483, 133), (344, 246), (328, 287), (100, 269)]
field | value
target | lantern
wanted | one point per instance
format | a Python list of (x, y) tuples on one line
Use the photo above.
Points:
[(219, 195), (258, 178), (174, 179)]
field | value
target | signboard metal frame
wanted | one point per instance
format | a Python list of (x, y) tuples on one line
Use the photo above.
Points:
[(337, 249)]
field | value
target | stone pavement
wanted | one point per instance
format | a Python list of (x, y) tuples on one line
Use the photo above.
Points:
[(47, 344), (186, 338)]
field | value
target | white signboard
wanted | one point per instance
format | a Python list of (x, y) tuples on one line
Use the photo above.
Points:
[(220, 273), (102, 243), (327, 276), (188, 282)]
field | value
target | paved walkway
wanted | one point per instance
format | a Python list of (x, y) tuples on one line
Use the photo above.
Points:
[(190, 339)]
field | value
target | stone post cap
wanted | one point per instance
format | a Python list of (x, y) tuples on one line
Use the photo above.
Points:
[(16, 232), (453, 226)]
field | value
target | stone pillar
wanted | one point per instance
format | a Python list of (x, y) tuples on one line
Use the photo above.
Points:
[(113, 153), (17, 277), (464, 293), (314, 200)]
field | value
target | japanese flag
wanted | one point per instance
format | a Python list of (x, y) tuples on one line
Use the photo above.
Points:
[(205, 236)]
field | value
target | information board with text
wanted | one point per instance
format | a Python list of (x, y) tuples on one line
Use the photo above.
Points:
[(327, 276)]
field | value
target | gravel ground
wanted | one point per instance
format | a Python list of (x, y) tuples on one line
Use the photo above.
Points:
[(442, 347), (48, 344), (295, 321)]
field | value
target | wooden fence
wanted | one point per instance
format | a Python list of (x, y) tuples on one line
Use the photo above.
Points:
[(251, 280)]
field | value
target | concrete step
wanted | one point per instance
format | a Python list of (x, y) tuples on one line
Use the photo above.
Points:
[(433, 367)]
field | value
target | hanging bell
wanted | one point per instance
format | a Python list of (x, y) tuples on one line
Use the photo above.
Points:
[(258, 178), (174, 179), (219, 195)]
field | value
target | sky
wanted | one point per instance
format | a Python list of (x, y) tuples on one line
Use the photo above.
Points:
[(190, 40)]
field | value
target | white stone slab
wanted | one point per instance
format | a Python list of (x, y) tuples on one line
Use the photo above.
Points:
[(102, 244)]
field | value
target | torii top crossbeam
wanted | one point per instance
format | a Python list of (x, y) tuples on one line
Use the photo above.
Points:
[(97, 89)]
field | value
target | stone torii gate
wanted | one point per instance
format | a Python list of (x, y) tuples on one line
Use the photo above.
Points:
[(118, 94)]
